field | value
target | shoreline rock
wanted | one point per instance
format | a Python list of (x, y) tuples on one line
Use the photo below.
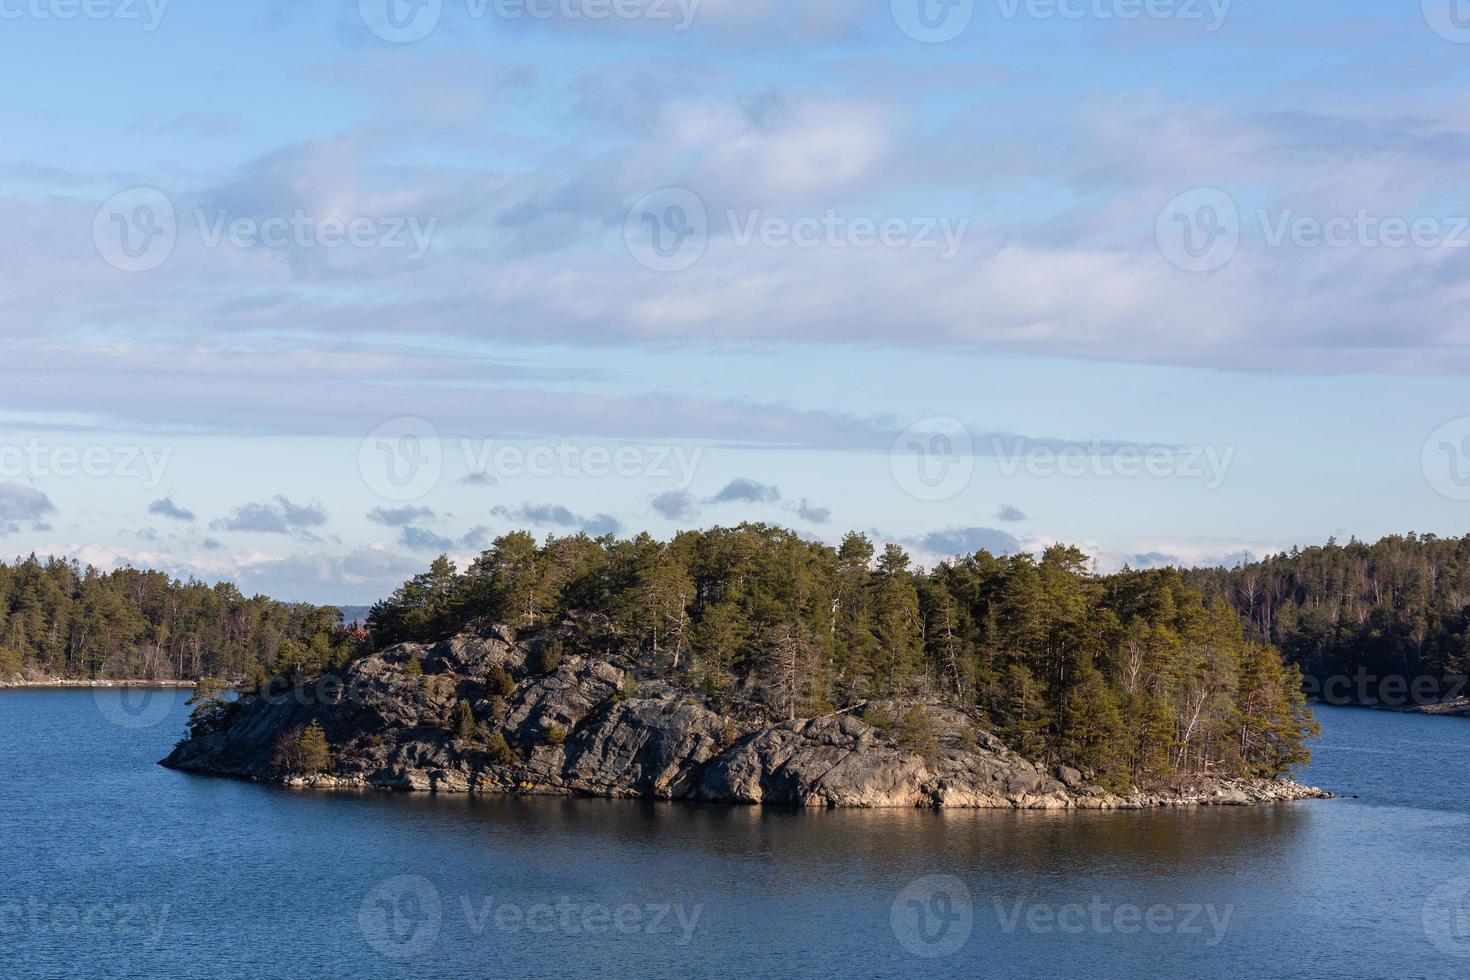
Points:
[(63, 683), (584, 730), (1458, 707)]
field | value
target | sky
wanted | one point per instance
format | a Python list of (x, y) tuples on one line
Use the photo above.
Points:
[(303, 295)]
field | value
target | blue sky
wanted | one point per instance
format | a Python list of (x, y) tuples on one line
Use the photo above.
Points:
[(297, 298)]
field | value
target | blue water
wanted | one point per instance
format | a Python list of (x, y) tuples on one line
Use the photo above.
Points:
[(112, 866)]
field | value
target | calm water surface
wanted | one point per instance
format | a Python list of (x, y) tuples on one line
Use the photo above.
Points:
[(112, 866)]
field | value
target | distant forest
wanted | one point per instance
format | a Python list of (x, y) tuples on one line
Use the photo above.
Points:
[(1396, 609), (58, 619), (1130, 676)]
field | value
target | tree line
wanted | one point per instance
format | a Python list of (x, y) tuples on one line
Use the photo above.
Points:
[(1132, 676), (1398, 608), (60, 619)]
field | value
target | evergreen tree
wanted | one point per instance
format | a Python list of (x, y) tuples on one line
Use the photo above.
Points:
[(316, 754), (465, 726)]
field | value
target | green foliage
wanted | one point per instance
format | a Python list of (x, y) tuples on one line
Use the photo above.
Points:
[(413, 667), (426, 607), (61, 619), (499, 750), (304, 751), (316, 754), (555, 735), (628, 687), (1392, 609), (211, 706), (729, 735), (255, 680), (549, 656), (1092, 730), (499, 683), (465, 726), (1130, 676), (1024, 717), (914, 732)]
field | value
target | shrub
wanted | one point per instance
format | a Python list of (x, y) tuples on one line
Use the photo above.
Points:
[(556, 735), (499, 750), (628, 689), (729, 735), (915, 733), (413, 668), (877, 718), (499, 683), (549, 656)]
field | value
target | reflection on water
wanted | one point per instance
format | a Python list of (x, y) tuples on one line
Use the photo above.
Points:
[(270, 882), (1175, 842)]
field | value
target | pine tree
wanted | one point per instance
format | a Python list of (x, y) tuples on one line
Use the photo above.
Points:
[(465, 726), (211, 706), (897, 623), (304, 751), (1092, 730), (1025, 717)]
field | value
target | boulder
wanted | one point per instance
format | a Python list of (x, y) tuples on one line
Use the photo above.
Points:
[(1071, 778)]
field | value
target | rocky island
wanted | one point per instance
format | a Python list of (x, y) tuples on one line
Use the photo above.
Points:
[(484, 712)]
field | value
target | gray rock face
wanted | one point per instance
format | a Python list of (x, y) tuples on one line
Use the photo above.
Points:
[(581, 730), (822, 762)]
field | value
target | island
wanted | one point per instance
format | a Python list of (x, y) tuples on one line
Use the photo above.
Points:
[(750, 665)]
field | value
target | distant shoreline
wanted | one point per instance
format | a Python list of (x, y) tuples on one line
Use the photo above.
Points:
[(59, 684), (1459, 708)]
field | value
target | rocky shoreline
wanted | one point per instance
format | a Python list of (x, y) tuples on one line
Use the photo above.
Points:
[(60, 683), (1457, 708), (587, 728)]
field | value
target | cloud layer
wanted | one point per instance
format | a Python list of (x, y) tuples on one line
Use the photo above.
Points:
[(279, 516)]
